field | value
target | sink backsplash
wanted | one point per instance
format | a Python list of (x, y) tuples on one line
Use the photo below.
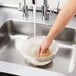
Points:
[(51, 3)]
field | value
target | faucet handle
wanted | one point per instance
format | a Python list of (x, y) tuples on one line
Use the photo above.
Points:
[(25, 11), (58, 6), (45, 14), (45, 2), (20, 7), (56, 10)]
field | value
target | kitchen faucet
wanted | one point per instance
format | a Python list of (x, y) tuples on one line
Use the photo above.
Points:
[(45, 13)]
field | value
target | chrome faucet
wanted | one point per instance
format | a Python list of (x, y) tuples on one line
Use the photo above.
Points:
[(44, 10), (24, 8)]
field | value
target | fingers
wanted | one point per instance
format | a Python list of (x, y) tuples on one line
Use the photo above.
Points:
[(39, 50), (42, 50)]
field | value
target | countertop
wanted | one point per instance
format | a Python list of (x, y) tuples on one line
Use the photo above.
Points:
[(9, 14)]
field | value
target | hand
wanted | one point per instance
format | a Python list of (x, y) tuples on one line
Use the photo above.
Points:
[(44, 46)]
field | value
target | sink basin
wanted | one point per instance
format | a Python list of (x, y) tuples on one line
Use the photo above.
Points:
[(64, 59)]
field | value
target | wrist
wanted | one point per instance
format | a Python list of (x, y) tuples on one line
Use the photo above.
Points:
[(49, 39)]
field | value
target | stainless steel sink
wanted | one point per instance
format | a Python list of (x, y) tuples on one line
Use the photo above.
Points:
[(63, 60), (15, 27)]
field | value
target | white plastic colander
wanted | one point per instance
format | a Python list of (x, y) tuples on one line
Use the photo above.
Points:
[(30, 47)]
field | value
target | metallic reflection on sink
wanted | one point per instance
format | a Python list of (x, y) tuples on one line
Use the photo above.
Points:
[(67, 34), (63, 58)]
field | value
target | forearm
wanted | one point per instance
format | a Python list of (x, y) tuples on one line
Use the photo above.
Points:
[(62, 19)]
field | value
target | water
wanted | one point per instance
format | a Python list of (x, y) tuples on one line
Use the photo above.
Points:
[(34, 15)]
